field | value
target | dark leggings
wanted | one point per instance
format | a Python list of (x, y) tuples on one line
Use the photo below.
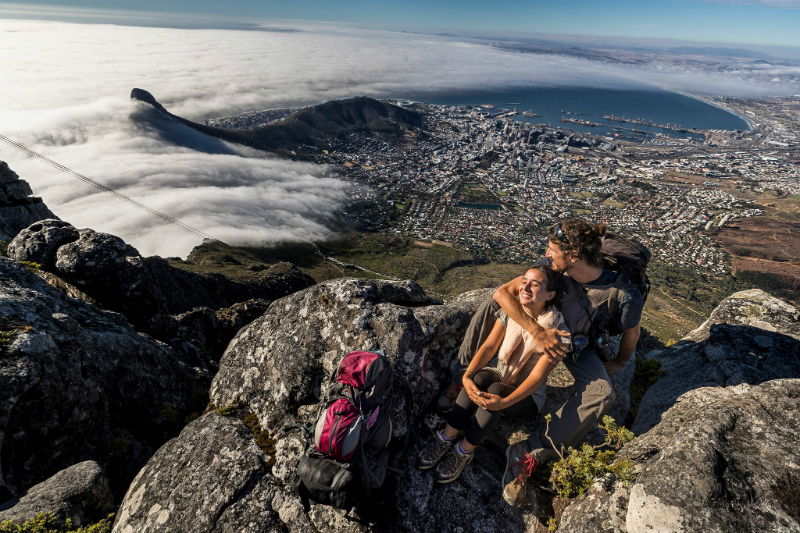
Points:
[(484, 421)]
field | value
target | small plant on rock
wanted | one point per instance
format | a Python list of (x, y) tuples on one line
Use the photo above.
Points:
[(31, 266), (227, 410), (49, 523), (574, 473)]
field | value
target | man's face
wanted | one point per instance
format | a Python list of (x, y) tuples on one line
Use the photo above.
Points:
[(557, 257)]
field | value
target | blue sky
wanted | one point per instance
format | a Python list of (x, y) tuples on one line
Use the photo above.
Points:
[(767, 22)]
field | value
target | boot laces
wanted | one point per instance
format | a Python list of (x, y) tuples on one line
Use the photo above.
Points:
[(528, 465)]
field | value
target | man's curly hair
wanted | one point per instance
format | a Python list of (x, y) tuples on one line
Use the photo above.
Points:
[(581, 237)]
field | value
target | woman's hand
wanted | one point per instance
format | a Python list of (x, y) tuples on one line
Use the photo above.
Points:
[(491, 402), (470, 387)]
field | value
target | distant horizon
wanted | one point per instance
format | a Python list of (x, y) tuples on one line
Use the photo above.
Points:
[(732, 23), (65, 93)]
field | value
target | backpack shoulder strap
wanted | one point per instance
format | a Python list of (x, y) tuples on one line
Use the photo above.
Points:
[(411, 432), (577, 288), (617, 293)]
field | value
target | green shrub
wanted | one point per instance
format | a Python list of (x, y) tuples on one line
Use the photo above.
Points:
[(574, 473), (4, 248), (49, 523), (227, 410), (168, 414), (31, 266)]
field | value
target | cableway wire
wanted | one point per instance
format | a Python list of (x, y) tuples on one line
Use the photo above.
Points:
[(162, 216), (166, 218)]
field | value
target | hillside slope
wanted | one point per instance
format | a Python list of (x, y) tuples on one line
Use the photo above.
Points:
[(311, 126)]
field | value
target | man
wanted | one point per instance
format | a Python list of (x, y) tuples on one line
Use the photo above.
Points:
[(594, 300)]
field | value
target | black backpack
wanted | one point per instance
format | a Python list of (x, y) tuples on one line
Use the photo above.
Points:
[(346, 456), (628, 258)]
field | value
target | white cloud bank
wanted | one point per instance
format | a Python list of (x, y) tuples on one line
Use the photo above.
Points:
[(79, 76)]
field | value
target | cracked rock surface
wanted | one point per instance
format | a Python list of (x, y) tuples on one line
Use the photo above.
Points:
[(750, 337), (80, 493), (77, 383), (18, 209), (212, 478), (273, 368)]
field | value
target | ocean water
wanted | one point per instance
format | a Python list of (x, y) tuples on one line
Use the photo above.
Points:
[(651, 105)]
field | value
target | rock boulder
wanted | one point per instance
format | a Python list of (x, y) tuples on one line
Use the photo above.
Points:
[(78, 383), (212, 478), (38, 242), (721, 459), (18, 209), (79, 492), (147, 290), (750, 337), (720, 451)]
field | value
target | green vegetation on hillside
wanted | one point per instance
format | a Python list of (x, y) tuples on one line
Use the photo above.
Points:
[(49, 523), (771, 283), (680, 298), (476, 193)]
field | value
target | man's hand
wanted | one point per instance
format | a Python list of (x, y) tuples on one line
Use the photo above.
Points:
[(612, 367), (551, 344)]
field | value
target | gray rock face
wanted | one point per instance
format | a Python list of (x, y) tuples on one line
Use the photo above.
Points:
[(750, 337), (92, 255), (78, 383), (223, 485), (148, 291), (18, 209), (213, 330), (79, 492), (300, 339), (722, 457), (39, 242), (273, 367)]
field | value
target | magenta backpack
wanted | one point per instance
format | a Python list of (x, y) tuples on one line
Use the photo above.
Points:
[(356, 413), (346, 457)]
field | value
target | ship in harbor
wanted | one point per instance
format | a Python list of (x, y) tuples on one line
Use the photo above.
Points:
[(642, 122), (581, 122)]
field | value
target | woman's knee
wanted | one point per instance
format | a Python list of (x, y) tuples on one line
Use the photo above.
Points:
[(484, 379), (500, 389)]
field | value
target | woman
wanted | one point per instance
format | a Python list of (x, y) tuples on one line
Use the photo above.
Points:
[(514, 389)]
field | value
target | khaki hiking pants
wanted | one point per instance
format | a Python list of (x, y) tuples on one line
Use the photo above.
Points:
[(592, 394)]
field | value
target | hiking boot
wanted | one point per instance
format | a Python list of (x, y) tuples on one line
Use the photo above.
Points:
[(434, 451), (519, 466), (452, 465), (448, 398)]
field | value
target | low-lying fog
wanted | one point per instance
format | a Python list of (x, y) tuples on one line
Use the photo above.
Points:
[(65, 88)]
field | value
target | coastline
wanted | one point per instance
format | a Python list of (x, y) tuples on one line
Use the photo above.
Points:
[(750, 123)]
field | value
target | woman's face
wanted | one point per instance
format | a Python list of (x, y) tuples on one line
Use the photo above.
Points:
[(533, 288)]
